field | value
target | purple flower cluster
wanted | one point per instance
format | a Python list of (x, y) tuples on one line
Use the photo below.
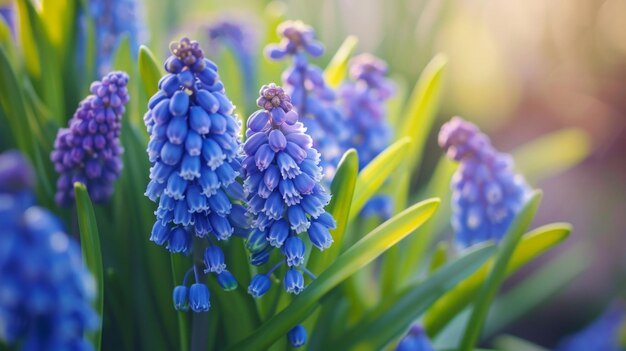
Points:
[(487, 193), (312, 98), (194, 151), (415, 340), (89, 151), (45, 291), (285, 198), (363, 101)]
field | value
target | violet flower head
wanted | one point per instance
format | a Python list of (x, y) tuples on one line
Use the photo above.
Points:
[(312, 98), (415, 340), (194, 151), (602, 334), (45, 290), (363, 100), (89, 150), (285, 197), (114, 19), (239, 38), (486, 191)]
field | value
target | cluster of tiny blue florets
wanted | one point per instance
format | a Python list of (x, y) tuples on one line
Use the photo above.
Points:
[(45, 291), (113, 20), (89, 150), (415, 340), (363, 101), (285, 198), (487, 193), (194, 150), (311, 97)]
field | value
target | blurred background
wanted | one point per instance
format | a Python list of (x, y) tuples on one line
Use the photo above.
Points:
[(519, 69)]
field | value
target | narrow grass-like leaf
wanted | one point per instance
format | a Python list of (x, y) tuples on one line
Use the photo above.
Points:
[(336, 70), (542, 285), (359, 255), (440, 257), (27, 39), (372, 177), (552, 153), (90, 245), (456, 300), (342, 190), (418, 120), (12, 101), (149, 70), (497, 272), (378, 327), (513, 343)]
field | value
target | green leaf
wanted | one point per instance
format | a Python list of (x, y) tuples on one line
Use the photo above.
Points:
[(497, 272), (90, 245), (552, 153), (28, 40), (390, 319), (456, 300), (359, 255), (13, 103), (149, 70), (513, 343), (372, 177), (336, 70), (440, 257), (122, 58), (418, 120), (542, 285), (342, 190)]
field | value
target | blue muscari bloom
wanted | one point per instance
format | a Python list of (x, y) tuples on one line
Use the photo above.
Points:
[(282, 185), (486, 192), (238, 37), (194, 150), (311, 97), (89, 151), (180, 295), (297, 336), (199, 298), (114, 19), (363, 100), (45, 290), (415, 340), (603, 334)]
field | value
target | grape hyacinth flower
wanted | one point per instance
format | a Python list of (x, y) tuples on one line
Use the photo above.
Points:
[(45, 291), (487, 193), (114, 19), (310, 95), (415, 340), (238, 37), (89, 150), (194, 150), (603, 334), (363, 101), (285, 197)]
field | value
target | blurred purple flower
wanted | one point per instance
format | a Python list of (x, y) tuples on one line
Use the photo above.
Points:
[(486, 192)]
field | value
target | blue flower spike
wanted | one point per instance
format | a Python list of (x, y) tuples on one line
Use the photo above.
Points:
[(312, 98), (363, 99), (45, 290), (486, 191), (282, 185), (194, 150), (89, 151)]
